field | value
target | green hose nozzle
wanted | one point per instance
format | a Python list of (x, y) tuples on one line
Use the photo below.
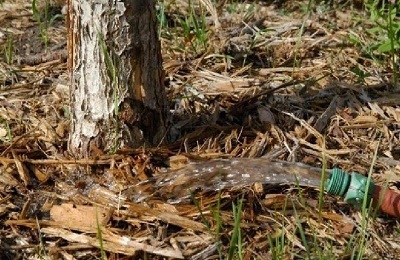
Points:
[(351, 187)]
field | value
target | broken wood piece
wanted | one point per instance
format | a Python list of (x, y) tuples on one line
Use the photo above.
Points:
[(21, 168), (112, 243), (76, 216)]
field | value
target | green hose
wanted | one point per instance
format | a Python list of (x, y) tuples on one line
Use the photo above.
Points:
[(351, 187)]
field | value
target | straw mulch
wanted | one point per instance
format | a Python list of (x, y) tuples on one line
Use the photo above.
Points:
[(256, 89)]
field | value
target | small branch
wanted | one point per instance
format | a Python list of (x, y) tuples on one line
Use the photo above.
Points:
[(6, 160), (42, 58)]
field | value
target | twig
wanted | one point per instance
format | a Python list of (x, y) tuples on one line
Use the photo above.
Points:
[(43, 58), (58, 161)]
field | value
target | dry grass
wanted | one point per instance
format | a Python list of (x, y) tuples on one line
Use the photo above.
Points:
[(256, 87)]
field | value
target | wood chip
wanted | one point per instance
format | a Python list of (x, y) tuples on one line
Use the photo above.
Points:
[(75, 216), (21, 168)]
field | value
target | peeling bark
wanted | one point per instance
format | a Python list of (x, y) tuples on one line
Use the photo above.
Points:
[(117, 95)]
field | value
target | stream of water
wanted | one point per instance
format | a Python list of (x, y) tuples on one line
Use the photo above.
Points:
[(177, 185)]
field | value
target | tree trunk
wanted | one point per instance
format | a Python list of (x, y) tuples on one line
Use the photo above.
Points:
[(117, 94)]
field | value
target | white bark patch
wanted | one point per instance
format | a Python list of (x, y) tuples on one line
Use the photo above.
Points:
[(92, 90)]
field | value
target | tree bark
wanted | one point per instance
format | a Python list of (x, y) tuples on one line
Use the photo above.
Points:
[(117, 93)]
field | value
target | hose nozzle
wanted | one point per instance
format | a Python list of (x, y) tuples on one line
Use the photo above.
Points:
[(352, 187)]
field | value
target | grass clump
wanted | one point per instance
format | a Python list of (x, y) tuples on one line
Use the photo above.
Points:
[(9, 50), (44, 19), (5, 130), (194, 29), (235, 245), (381, 39), (234, 248)]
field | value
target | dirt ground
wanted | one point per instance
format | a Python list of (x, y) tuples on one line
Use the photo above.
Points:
[(282, 80)]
